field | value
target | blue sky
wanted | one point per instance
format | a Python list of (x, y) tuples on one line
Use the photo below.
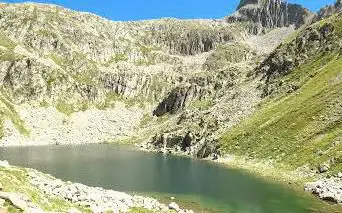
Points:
[(123, 10)]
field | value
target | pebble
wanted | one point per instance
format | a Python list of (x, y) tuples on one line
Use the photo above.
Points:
[(323, 168), (174, 206)]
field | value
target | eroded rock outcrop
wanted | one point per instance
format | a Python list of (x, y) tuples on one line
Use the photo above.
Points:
[(311, 42), (179, 97)]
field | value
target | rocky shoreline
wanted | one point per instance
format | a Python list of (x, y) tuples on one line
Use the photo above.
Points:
[(95, 199), (327, 189)]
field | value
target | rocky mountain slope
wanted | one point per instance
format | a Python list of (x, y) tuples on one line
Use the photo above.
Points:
[(329, 10), (60, 68), (72, 62), (262, 84), (269, 14)]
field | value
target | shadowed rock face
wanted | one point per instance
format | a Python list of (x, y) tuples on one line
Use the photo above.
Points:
[(178, 98), (269, 14)]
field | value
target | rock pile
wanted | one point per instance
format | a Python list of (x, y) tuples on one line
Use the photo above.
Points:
[(329, 189), (97, 199)]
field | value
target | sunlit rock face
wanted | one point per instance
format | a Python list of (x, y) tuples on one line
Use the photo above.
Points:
[(269, 14)]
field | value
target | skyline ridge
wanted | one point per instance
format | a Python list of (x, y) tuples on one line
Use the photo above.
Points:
[(152, 9)]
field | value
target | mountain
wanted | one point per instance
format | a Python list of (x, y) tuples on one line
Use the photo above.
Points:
[(263, 84), (270, 14), (329, 10)]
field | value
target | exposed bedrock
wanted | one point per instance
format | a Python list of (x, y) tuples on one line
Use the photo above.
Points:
[(269, 14)]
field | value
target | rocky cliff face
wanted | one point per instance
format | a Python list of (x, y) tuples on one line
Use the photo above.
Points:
[(84, 57), (52, 56), (269, 14)]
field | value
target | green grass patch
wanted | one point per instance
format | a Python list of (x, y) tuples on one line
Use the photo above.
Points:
[(225, 54), (140, 210), (66, 108), (69, 108), (8, 111), (44, 104), (304, 127), (46, 33), (16, 180), (202, 104), (6, 42), (116, 58), (8, 55)]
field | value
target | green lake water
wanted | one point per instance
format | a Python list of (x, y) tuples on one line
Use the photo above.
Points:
[(205, 186)]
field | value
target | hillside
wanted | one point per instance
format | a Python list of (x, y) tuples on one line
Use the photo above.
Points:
[(299, 122)]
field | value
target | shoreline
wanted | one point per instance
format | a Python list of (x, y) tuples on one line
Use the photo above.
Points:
[(327, 190), (69, 196)]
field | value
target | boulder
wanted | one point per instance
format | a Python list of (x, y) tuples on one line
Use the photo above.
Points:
[(4, 164), (339, 175), (174, 206), (2, 202), (323, 168)]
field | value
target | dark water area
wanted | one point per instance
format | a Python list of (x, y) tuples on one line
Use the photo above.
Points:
[(123, 168)]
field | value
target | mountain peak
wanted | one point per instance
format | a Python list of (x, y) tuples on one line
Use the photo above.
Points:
[(329, 10), (269, 14), (246, 2)]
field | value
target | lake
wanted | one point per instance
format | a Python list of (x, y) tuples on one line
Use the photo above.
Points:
[(214, 188)]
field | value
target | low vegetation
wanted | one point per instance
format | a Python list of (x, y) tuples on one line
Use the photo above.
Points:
[(8, 111), (16, 180), (304, 127)]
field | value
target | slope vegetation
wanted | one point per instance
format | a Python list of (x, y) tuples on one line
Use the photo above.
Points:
[(300, 121)]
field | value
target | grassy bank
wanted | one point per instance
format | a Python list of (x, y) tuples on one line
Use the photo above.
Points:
[(15, 179)]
